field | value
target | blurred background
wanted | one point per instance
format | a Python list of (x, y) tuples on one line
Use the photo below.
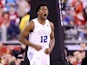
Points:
[(74, 20), (14, 14)]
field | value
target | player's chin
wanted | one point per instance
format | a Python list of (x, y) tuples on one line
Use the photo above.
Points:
[(45, 17)]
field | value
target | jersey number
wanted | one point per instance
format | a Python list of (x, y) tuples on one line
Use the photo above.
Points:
[(43, 39)]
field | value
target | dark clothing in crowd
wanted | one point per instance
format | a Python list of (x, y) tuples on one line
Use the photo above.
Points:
[(84, 61)]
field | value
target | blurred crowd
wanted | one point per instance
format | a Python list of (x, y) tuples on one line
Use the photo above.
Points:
[(11, 54), (11, 14), (76, 57), (74, 18)]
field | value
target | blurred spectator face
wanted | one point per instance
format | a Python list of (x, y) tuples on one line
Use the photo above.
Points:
[(5, 58), (76, 54), (82, 46), (68, 10), (6, 15), (72, 60), (6, 21), (12, 9), (23, 7), (12, 13)]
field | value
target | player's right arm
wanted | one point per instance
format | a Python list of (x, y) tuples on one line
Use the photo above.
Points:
[(22, 37)]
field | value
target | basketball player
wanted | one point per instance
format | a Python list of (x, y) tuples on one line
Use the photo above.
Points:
[(41, 37)]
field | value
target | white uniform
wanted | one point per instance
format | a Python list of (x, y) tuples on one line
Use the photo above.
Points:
[(39, 36)]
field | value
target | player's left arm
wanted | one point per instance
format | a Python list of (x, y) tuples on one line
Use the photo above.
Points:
[(52, 41)]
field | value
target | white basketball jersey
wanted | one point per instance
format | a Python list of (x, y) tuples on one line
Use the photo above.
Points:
[(40, 35)]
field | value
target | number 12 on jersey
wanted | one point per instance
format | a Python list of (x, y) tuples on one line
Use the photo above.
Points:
[(44, 39)]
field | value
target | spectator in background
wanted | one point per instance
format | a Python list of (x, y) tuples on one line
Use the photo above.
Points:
[(1, 15), (23, 7), (83, 49), (68, 19), (82, 46), (23, 21), (66, 56), (1, 18), (79, 19), (5, 59), (6, 21), (78, 4), (10, 3), (72, 60), (13, 29)]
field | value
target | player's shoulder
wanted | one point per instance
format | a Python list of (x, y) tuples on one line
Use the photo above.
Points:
[(30, 23), (51, 23), (35, 19)]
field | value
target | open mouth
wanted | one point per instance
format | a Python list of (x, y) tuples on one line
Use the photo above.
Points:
[(45, 14)]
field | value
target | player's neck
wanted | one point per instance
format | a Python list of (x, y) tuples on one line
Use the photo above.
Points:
[(42, 21)]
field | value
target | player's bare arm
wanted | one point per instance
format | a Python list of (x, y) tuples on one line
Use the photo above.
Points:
[(22, 37), (52, 41)]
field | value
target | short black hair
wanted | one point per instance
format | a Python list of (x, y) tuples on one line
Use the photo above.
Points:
[(41, 4)]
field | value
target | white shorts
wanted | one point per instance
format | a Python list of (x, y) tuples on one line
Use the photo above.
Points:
[(38, 58)]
